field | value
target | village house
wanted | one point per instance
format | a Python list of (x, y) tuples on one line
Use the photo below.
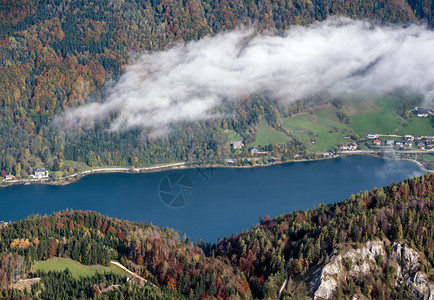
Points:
[(417, 137), (429, 144), (421, 145), (253, 150), (399, 144), (422, 112), (408, 138), (408, 144), (372, 135), (353, 146), (390, 143), (9, 177), (40, 173), (237, 145), (376, 142)]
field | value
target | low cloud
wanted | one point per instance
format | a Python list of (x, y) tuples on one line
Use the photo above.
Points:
[(187, 82)]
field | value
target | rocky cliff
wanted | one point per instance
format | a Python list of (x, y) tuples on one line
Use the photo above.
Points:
[(350, 262)]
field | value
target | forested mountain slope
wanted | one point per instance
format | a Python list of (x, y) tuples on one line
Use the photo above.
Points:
[(251, 264), (56, 54)]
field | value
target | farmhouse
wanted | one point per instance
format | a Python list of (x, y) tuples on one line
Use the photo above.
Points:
[(40, 173), (422, 112), (237, 145)]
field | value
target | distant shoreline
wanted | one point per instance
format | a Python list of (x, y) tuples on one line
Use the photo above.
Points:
[(185, 165)]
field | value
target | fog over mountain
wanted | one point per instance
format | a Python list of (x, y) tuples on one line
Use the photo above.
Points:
[(340, 56)]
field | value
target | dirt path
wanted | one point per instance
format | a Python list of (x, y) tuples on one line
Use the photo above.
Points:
[(130, 272)]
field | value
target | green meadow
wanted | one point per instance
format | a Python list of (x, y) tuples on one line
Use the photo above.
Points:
[(77, 269), (266, 135), (322, 125), (384, 119)]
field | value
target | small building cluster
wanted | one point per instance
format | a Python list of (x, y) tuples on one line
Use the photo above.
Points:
[(352, 146), (409, 142)]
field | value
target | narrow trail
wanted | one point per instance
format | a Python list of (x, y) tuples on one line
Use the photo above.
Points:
[(130, 272)]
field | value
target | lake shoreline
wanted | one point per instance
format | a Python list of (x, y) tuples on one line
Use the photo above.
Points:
[(183, 166), (223, 200)]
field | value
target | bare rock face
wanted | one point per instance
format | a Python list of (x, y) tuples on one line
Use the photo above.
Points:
[(407, 257), (409, 271), (421, 286), (335, 271), (331, 274), (353, 262)]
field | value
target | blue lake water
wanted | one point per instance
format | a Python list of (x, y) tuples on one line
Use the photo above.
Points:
[(221, 201)]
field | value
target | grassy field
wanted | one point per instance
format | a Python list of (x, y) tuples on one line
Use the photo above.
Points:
[(268, 135), (77, 269), (418, 126), (321, 126), (384, 119), (378, 116)]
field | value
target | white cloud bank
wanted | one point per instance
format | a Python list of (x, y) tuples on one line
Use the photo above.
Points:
[(188, 81)]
